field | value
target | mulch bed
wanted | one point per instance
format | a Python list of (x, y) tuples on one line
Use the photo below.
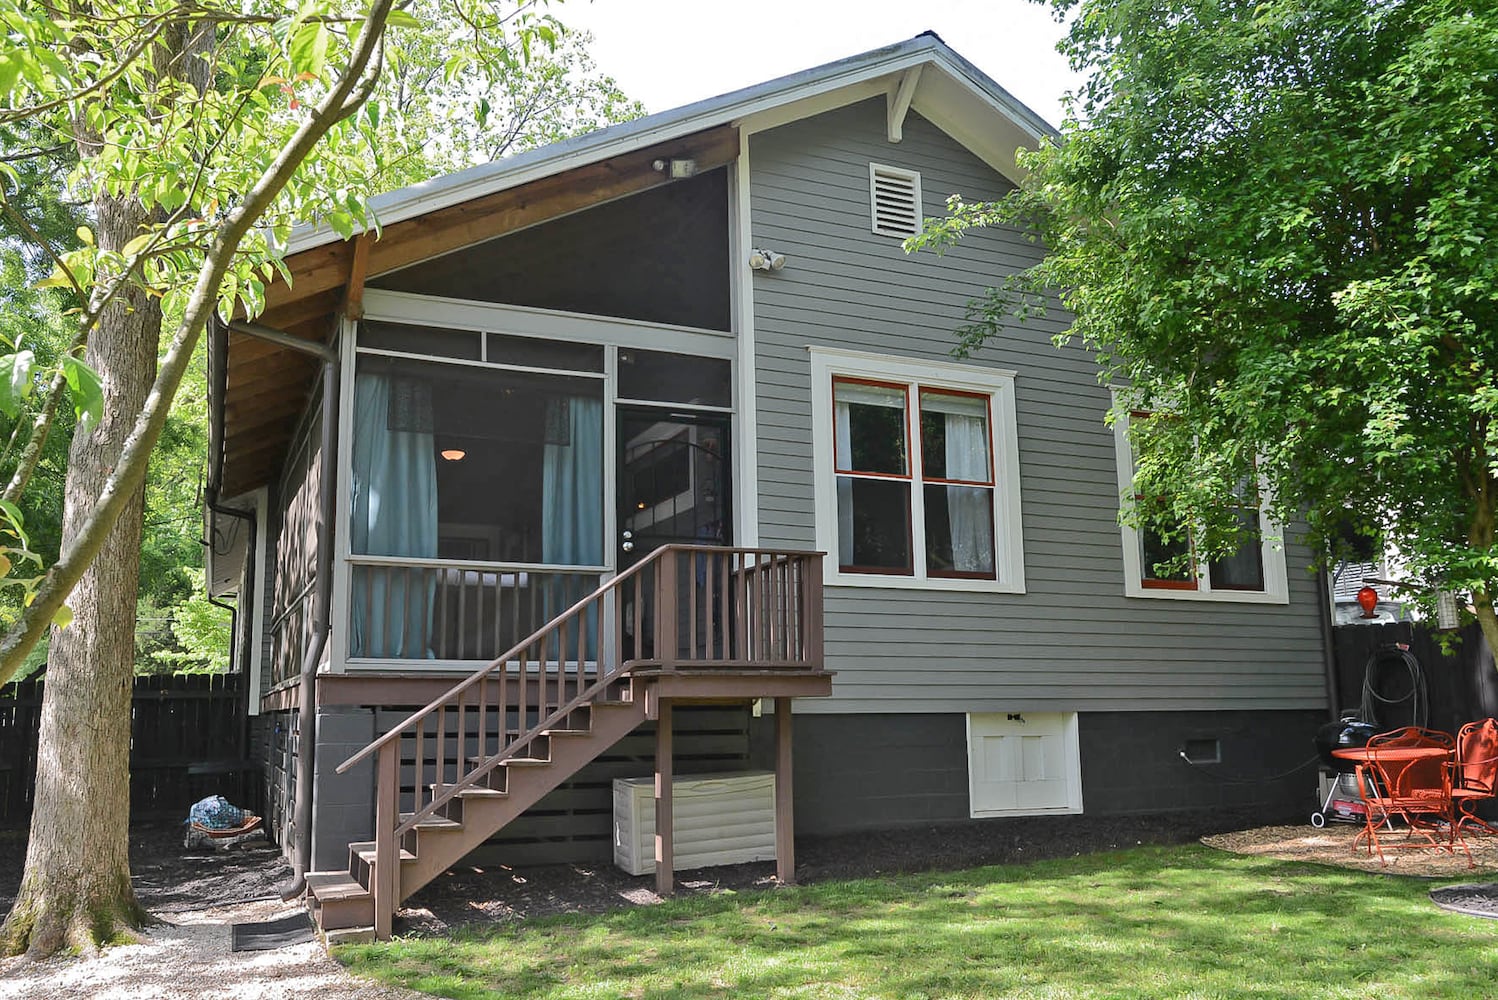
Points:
[(167, 879), (1473, 900), (1333, 845)]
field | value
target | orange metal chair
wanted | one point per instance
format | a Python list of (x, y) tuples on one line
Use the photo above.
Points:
[(1417, 789), (1474, 775)]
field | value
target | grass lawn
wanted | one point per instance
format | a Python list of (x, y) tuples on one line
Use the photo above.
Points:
[(1152, 922)]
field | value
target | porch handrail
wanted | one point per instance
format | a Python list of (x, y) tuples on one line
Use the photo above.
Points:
[(539, 635), (483, 672)]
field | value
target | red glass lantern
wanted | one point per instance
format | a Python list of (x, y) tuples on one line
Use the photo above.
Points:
[(1367, 600)]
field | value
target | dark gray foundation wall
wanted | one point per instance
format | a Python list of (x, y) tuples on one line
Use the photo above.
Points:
[(870, 772), (572, 823)]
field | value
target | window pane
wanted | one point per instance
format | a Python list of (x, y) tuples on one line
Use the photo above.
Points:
[(870, 428), (534, 353), (954, 437), (959, 531), (873, 524), (419, 340), (1244, 569), (674, 378), (1156, 550), (457, 462)]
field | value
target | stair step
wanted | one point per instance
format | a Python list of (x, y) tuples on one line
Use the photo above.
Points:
[(433, 823), (478, 792), (339, 902), (327, 886), (527, 762), (365, 852)]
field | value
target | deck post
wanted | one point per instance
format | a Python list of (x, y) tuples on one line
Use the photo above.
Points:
[(386, 874), (665, 859), (785, 817)]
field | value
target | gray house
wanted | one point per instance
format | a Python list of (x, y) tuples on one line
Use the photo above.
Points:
[(599, 459)]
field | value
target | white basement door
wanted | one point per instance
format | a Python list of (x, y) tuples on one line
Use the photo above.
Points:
[(1023, 763)]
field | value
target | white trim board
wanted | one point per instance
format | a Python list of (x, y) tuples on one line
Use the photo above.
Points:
[(545, 324)]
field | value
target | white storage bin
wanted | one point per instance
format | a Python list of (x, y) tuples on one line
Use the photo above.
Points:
[(717, 819)]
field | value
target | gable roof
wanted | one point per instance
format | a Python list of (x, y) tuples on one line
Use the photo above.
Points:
[(266, 386), (954, 97)]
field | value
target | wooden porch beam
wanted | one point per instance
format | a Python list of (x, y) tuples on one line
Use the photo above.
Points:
[(353, 291), (457, 226), (785, 812), (665, 852)]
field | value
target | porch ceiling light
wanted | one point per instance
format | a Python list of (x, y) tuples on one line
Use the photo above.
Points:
[(454, 454)]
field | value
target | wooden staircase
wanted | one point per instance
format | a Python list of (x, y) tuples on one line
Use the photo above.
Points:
[(740, 623), (345, 899)]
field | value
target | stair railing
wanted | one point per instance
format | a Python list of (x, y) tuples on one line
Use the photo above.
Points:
[(744, 609)]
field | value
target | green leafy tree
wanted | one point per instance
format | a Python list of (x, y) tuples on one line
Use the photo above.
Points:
[(1271, 220), (454, 119), (202, 130)]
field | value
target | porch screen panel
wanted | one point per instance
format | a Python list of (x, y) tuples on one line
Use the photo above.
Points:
[(489, 481), (394, 485)]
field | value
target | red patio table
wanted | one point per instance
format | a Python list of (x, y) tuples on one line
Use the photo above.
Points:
[(1412, 782)]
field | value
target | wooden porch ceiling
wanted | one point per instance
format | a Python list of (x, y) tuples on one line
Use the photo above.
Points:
[(269, 385)]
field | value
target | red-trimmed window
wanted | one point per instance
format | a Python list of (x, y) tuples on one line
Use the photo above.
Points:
[(1170, 563), (899, 494)]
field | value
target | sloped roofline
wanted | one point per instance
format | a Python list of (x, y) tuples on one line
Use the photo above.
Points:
[(475, 182)]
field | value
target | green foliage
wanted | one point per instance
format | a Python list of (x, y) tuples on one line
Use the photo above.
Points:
[(222, 123), (1152, 922), (1270, 219), (191, 635), (450, 119)]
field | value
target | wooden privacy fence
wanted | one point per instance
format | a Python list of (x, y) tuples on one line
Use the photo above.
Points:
[(188, 740), (1461, 686)]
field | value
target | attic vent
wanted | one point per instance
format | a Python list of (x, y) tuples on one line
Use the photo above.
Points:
[(895, 200)]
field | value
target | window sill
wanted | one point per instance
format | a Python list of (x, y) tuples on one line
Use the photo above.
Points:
[(1209, 596), (874, 580)]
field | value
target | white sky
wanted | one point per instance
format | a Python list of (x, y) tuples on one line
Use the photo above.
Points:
[(667, 53)]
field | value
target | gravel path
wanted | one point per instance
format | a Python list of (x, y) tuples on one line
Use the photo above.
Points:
[(189, 958)]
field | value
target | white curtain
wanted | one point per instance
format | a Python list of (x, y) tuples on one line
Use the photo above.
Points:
[(844, 442), (969, 508)]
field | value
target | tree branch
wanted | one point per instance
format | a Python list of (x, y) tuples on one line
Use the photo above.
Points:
[(129, 470)]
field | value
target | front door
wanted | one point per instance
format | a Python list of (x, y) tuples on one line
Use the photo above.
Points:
[(672, 480), (673, 487)]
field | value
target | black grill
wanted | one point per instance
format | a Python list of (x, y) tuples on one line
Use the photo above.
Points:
[(1340, 736)]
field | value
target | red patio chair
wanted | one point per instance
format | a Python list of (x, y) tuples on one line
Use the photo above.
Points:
[(1424, 773), (1475, 772), (1416, 789)]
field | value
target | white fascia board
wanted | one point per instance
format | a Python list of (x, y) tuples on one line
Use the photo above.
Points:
[(739, 106)]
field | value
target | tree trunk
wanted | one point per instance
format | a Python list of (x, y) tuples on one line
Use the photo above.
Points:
[(76, 891)]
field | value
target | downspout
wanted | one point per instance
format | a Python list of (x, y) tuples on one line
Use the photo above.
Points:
[(323, 595), (1328, 646)]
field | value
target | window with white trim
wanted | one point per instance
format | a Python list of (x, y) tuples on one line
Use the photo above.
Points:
[(916, 481), (1164, 564)]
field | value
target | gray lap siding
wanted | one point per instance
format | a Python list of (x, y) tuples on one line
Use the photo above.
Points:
[(1073, 641)]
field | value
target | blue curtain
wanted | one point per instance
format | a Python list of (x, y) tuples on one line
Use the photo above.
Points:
[(572, 504), (394, 514)]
